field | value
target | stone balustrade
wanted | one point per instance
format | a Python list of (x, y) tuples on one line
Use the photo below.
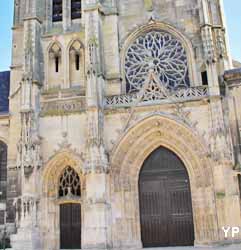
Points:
[(139, 99)]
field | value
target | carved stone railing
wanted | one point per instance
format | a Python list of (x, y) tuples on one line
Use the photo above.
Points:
[(139, 99), (191, 93), (121, 100)]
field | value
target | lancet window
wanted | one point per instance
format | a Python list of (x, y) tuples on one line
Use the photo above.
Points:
[(75, 9), (76, 64), (57, 10), (55, 55)]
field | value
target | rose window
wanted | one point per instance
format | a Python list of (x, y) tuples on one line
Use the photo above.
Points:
[(69, 183), (158, 51)]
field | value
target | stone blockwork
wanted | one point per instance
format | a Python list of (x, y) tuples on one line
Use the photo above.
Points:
[(71, 105)]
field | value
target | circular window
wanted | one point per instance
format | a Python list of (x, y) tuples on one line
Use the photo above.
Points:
[(161, 52)]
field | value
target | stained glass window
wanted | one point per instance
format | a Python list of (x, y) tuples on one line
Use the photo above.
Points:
[(161, 52)]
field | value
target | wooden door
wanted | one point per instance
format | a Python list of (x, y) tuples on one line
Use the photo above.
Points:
[(165, 201), (70, 226)]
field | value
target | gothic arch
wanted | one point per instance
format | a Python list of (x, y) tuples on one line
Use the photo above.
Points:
[(156, 130), (157, 25), (50, 200), (75, 61), (72, 41), (137, 144), (54, 66), (55, 43), (55, 167)]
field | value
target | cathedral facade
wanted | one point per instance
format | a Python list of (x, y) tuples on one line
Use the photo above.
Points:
[(123, 126)]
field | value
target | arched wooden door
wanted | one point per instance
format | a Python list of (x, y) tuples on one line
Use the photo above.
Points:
[(165, 201), (70, 212), (70, 226)]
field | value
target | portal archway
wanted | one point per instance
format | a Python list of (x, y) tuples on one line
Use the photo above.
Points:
[(63, 191), (127, 159), (165, 201)]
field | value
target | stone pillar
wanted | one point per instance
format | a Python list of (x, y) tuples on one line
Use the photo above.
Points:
[(96, 233), (28, 159)]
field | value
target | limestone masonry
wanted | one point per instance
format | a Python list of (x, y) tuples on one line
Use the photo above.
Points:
[(122, 129)]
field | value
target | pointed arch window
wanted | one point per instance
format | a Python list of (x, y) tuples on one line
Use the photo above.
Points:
[(57, 10), (55, 55), (69, 183), (75, 50), (76, 64), (76, 7)]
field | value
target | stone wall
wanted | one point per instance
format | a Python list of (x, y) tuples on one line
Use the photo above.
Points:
[(104, 132)]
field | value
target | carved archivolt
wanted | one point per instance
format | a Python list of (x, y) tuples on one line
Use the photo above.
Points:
[(140, 140), (127, 160)]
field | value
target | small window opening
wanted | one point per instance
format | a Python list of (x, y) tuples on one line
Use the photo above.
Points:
[(204, 78), (57, 10), (75, 9), (69, 183), (239, 184), (77, 61), (56, 64)]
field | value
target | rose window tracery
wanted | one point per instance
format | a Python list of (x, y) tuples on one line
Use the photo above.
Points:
[(158, 51), (69, 183)]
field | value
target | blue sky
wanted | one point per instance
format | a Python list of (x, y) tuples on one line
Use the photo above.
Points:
[(233, 16)]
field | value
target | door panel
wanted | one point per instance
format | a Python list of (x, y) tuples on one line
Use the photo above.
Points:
[(76, 226), (165, 201), (70, 226), (153, 219)]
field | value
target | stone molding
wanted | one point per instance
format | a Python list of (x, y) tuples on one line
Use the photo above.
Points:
[(63, 106)]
